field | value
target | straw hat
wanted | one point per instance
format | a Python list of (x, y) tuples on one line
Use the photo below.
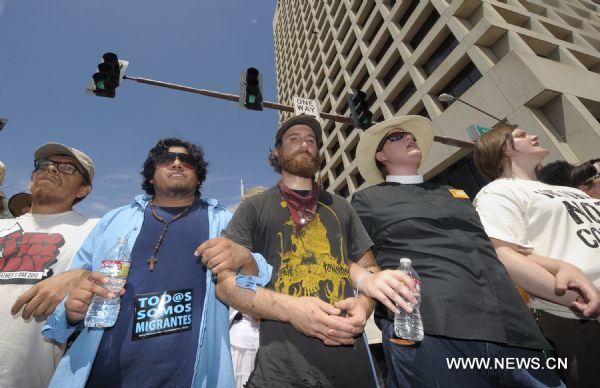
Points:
[(419, 126)]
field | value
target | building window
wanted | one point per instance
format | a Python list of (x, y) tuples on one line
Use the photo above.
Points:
[(339, 169), (354, 62), (334, 147), (344, 107), (359, 179), (384, 48), (372, 98), (362, 82), (463, 81), (365, 14), (328, 128), (346, 130), (344, 192), (324, 181), (403, 96), (352, 151), (425, 28), (440, 54), (406, 14), (423, 112), (374, 30), (394, 69)]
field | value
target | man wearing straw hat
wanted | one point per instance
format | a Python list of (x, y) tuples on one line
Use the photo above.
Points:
[(469, 306)]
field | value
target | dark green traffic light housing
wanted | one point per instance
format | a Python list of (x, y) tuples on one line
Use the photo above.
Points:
[(106, 79), (251, 89), (359, 110)]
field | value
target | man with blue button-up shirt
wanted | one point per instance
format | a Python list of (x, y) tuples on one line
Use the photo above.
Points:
[(159, 339)]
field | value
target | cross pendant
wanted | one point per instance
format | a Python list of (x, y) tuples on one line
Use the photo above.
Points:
[(151, 262)]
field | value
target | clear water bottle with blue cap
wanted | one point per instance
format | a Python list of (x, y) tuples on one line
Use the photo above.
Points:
[(115, 266), (409, 326)]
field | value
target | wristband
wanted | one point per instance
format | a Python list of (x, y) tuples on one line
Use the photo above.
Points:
[(245, 281), (360, 279)]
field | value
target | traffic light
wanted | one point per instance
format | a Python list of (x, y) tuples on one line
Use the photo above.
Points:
[(251, 89), (110, 72), (359, 110), (2, 123)]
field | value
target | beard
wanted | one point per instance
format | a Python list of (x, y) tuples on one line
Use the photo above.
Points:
[(299, 163), (181, 191), (44, 196)]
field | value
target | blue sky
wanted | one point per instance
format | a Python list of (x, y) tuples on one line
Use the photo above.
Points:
[(49, 50)]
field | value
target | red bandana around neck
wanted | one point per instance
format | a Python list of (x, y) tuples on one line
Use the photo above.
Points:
[(302, 208)]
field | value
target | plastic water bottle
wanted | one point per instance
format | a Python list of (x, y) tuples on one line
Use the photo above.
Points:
[(409, 326), (115, 266)]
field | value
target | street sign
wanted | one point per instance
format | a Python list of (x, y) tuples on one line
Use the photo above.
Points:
[(475, 131), (306, 107)]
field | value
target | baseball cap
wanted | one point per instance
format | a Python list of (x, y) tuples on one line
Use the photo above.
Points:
[(50, 149), (309, 121)]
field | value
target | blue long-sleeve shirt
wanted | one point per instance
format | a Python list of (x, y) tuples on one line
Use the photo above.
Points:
[(213, 366)]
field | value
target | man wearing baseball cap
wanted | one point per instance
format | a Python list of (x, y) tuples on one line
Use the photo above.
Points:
[(469, 306), (319, 252), (35, 250)]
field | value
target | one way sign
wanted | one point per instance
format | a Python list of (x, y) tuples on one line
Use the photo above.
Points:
[(305, 106)]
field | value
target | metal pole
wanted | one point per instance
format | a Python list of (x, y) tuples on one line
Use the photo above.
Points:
[(277, 106), (476, 108), (231, 97)]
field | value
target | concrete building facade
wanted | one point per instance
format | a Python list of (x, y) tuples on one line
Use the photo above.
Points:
[(535, 62)]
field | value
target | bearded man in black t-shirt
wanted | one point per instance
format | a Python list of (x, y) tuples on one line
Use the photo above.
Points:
[(319, 251)]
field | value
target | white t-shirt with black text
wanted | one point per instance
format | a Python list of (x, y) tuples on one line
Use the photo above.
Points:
[(558, 222)]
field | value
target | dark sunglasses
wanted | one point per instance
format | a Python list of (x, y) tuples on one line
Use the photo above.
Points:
[(62, 167), (395, 136), (166, 158)]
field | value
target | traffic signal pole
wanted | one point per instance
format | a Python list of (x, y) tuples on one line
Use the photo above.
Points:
[(280, 107)]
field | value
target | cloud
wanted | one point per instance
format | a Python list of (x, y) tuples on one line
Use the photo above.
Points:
[(2, 3), (253, 20), (98, 206), (125, 175), (221, 178)]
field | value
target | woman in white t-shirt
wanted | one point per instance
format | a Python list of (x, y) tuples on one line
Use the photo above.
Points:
[(548, 237)]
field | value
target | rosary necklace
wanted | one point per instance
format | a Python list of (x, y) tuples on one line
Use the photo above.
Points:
[(153, 259)]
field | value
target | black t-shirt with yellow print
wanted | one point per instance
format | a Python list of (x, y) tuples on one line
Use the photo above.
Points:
[(315, 263)]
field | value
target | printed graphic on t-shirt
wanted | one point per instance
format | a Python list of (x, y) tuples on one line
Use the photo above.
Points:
[(26, 257), (309, 267), (161, 313), (580, 212)]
